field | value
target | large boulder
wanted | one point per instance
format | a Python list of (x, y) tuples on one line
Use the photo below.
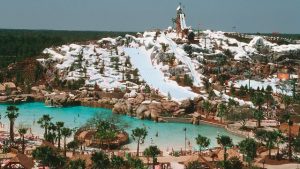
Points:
[(3, 98), (140, 111), (61, 100), (147, 114), (139, 99), (188, 105), (154, 114), (156, 107), (169, 106), (120, 108)]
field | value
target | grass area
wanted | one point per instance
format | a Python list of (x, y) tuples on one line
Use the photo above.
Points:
[(17, 45)]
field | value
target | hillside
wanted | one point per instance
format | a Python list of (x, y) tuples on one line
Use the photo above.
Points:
[(16, 45), (171, 65)]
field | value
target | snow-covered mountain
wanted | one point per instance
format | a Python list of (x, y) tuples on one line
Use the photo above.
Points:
[(161, 57)]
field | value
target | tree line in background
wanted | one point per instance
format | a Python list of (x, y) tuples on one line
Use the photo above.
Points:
[(16, 45)]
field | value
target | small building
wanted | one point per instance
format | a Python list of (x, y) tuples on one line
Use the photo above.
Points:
[(283, 74), (295, 129), (20, 161)]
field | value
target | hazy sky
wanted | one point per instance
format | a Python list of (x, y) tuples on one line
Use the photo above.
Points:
[(138, 15)]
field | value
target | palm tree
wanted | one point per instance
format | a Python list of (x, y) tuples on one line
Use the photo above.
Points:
[(51, 135), (152, 151), (248, 148), (77, 164), (44, 123), (12, 114), (202, 142), (100, 160), (222, 110), (22, 132), (224, 141), (139, 135), (66, 132), (59, 125)]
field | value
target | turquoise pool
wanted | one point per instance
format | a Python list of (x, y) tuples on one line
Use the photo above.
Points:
[(170, 135)]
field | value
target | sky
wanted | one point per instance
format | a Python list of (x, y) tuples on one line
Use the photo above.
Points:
[(138, 15)]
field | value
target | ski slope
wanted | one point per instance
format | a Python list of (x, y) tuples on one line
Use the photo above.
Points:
[(154, 77), (181, 55)]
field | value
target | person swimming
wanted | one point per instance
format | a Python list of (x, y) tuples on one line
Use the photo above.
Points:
[(156, 134)]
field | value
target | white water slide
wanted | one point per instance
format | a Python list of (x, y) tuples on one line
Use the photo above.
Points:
[(181, 55), (154, 77)]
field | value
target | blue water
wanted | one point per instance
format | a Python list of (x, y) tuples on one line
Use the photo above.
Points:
[(170, 135)]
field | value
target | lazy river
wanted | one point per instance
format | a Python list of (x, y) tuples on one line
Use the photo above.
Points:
[(165, 135)]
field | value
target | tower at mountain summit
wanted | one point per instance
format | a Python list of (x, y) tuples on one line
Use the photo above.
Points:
[(181, 28)]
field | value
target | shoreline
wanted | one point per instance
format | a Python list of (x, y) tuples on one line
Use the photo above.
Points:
[(165, 119)]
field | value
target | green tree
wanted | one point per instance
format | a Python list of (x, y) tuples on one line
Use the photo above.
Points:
[(241, 116), (139, 135), (279, 140), (222, 111), (225, 142), (258, 100), (73, 145), (296, 144), (269, 100), (232, 90), (147, 89), (187, 80), (270, 140), (106, 132), (59, 126), (202, 142), (248, 148), (169, 96), (259, 116), (194, 165), (12, 114), (207, 107), (44, 122), (100, 160), (118, 163), (269, 89), (48, 157), (43, 155), (152, 151), (77, 164), (232, 163), (22, 132), (287, 101), (135, 163), (66, 132), (232, 103)]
